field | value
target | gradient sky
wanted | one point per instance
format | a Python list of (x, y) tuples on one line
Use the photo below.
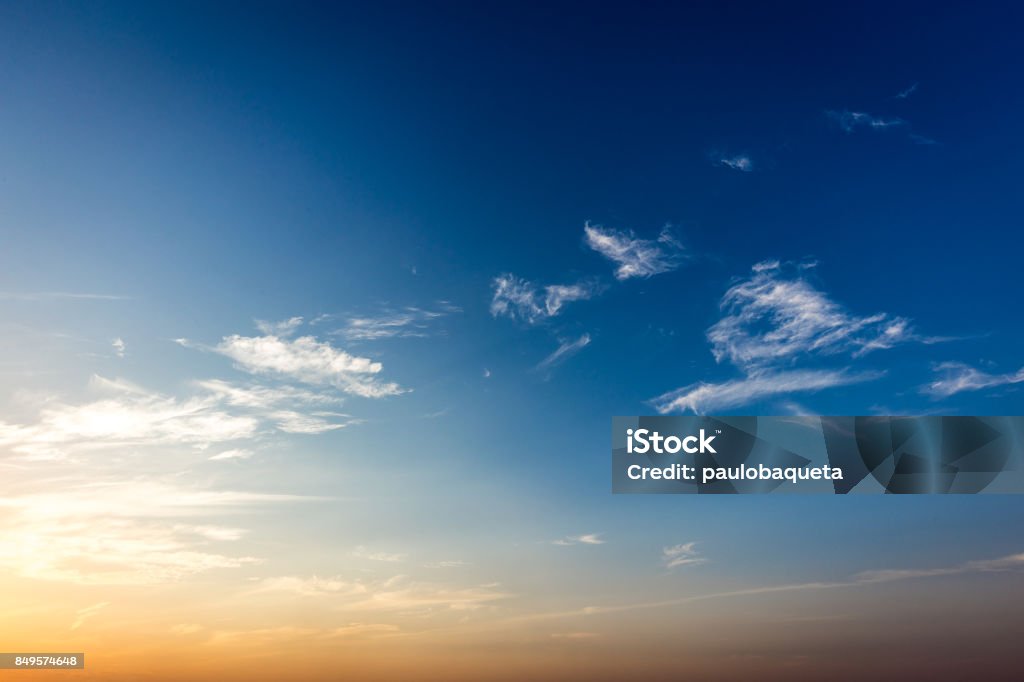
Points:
[(313, 321)]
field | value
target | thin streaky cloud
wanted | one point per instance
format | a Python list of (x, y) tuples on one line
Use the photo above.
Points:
[(1014, 562), (907, 92), (390, 323), (564, 351), (849, 121), (677, 556), (957, 377), (397, 593), (234, 453), (86, 613), (585, 539), (119, 347), (709, 398), (740, 162), (121, 532), (371, 555)]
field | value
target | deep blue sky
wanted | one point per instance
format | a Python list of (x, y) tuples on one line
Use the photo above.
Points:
[(215, 165)]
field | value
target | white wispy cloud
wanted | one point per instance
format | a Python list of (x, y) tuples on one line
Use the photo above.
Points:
[(390, 557), (1014, 562), (119, 532), (517, 298), (772, 320), (307, 360), (957, 377), (121, 414), (280, 328), (634, 256), (398, 593), (291, 421), (395, 323), (128, 417), (774, 315), (233, 453), (289, 633), (565, 350), (86, 613), (708, 398), (585, 539), (906, 92), (685, 554), (261, 397), (119, 347), (739, 162), (850, 121)]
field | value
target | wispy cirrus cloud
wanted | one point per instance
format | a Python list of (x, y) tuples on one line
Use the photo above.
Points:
[(281, 327), (775, 315), (635, 256), (289, 633), (120, 414), (906, 92), (585, 539), (957, 377), (564, 351), (865, 579), (850, 121), (372, 555), (391, 323), (233, 453), (307, 360), (125, 415), (517, 298), (397, 593), (737, 162), (120, 532), (262, 397), (708, 398), (775, 318), (86, 613), (685, 554)]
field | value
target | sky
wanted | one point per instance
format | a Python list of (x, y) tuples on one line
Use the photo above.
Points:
[(313, 320)]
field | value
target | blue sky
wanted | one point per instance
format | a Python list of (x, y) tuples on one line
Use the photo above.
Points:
[(501, 226)]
